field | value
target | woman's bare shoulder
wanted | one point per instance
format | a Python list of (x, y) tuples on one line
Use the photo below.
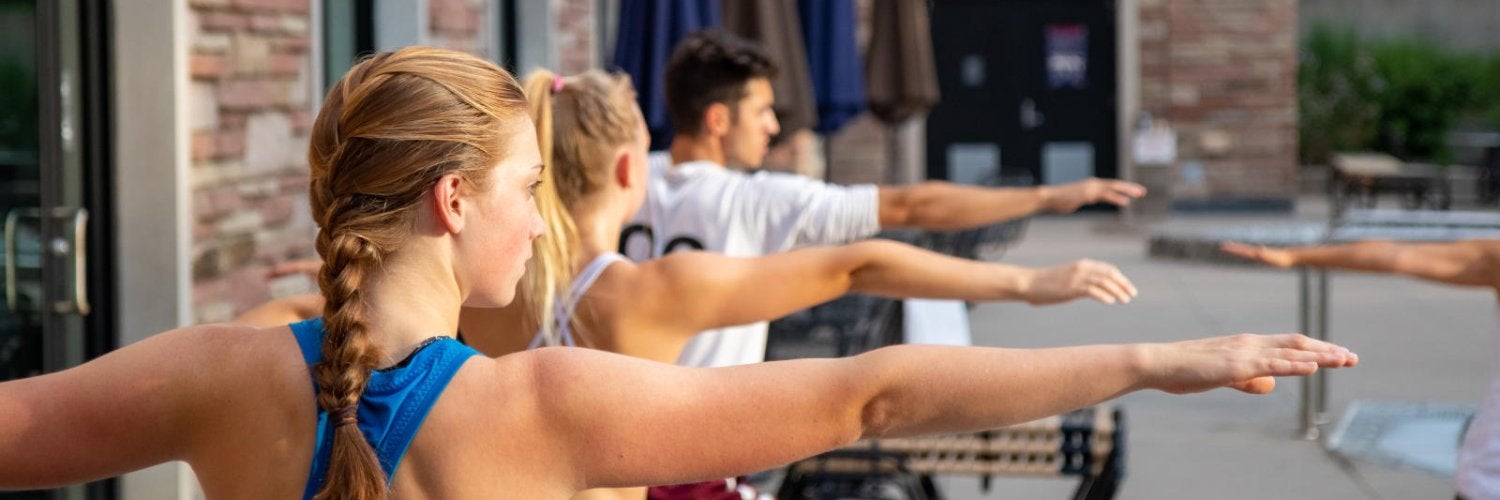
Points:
[(232, 356)]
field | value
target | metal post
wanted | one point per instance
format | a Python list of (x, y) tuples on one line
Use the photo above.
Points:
[(1322, 317), (1308, 410)]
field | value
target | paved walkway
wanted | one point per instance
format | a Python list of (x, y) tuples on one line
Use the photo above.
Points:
[(1417, 342)]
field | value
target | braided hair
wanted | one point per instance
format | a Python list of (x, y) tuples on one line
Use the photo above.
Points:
[(388, 130)]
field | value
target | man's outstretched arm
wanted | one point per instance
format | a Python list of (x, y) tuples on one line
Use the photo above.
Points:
[(949, 206)]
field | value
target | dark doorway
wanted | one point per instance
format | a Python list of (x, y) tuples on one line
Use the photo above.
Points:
[(1028, 90), (55, 307)]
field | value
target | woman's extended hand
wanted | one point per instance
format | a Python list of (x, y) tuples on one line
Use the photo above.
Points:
[(1246, 362), (1101, 281), (1275, 257)]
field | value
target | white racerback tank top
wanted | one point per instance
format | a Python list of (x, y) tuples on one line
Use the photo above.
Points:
[(563, 310)]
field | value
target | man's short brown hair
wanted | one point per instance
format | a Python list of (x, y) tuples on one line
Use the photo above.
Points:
[(710, 67)]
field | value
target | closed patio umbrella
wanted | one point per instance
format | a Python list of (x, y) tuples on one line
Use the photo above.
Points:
[(902, 74), (833, 61), (775, 25), (647, 32)]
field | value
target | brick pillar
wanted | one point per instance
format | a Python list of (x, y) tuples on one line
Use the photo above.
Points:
[(251, 111), (1155, 32), (1224, 73), (456, 24), (577, 46)]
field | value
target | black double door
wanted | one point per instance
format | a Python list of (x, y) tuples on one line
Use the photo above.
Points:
[(54, 157), (1028, 90)]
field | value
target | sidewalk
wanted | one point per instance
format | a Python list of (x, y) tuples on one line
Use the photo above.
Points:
[(1417, 342)]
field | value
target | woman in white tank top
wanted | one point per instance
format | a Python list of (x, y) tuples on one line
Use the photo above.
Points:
[(581, 293), (1473, 263)]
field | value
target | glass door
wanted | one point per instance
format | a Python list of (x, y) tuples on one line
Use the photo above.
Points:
[(51, 157)]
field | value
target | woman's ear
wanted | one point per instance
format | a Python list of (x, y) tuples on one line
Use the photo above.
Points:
[(448, 202), (624, 167)]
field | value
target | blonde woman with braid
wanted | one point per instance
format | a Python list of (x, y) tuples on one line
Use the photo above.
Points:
[(422, 165)]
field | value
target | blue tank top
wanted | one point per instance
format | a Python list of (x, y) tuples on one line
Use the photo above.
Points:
[(395, 402)]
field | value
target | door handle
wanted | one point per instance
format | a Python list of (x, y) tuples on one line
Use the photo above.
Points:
[(72, 245), (77, 301), (13, 219), (1030, 117)]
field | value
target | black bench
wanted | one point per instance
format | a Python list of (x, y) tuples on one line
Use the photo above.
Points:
[(1087, 444)]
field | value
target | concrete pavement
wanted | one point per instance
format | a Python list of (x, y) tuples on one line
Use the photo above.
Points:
[(1417, 342)]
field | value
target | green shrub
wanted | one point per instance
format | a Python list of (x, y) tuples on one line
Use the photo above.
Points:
[(1424, 90), (1487, 94), (1398, 96), (1336, 94)]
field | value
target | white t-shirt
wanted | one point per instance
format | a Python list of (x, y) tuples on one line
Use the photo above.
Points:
[(702, 205)]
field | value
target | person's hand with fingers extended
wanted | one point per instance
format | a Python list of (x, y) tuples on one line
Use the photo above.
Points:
[(1100, 281), (1246, 362), (1275, 257), (1069, 197)]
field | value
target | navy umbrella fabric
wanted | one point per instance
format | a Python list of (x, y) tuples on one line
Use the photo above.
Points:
[(775, 27), (647, 32), (833, 61)]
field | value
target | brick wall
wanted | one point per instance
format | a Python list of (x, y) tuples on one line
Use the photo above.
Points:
[(1224, 72), (577, 46), (859, 153), (251, 110), (250, 113), (459, 25)]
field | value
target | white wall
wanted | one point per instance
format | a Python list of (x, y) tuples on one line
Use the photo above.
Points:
[(151, 193)]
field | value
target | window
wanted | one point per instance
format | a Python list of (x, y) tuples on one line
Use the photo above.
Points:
[(356, 28), (348, 34)]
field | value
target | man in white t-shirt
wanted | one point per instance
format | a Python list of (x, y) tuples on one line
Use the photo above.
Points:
[(718, 90)]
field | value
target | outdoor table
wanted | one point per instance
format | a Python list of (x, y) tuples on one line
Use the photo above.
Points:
[(1312, 284), (1369, 174)]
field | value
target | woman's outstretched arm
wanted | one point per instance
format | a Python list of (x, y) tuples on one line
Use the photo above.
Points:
[(140, 405), (631, 422), (283, 311), (692, 291), (1469, 262)]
